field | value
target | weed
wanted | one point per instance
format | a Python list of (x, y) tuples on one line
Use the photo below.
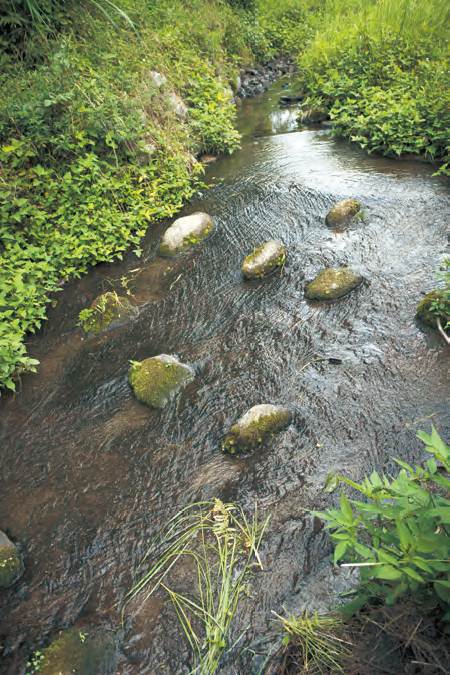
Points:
[(223, 546)]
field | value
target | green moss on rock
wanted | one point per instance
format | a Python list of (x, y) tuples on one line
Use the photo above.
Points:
[(11, 565), (333, 283), (343, 212), (433, 306), (254, 428), (105, 310), (264, 259), (185, 233), (157, 379), (80, 652)]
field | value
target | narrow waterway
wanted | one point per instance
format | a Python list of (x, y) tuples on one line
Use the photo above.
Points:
[(89, 475)]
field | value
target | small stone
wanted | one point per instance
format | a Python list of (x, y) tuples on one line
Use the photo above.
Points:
[(439, 299), (84, 652), (105, 311), (333, 283), (289, 99), (11, 564), (186, 232), (264, 259), (253, 428), (177, 105), (343, 212), (158, 79), (156, 380), (313, 115)]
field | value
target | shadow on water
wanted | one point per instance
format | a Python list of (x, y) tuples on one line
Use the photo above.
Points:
[(89, 475)]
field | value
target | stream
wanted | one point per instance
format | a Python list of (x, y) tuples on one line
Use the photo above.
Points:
[(90, 475)]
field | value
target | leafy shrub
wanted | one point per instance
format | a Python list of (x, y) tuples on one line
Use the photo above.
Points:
[(398, 537)]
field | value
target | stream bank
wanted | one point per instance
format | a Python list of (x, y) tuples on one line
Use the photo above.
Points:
[(91, 475)]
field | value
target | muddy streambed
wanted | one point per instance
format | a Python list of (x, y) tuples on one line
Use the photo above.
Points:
[(89, 475)]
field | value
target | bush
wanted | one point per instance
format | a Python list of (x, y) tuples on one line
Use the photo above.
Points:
[(398, 537)]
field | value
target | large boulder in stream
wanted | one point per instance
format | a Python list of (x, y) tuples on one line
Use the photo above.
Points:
[(84, 652), (264, 259), (253, 428), (156, 380), (313, 115), (106, 310), (343, 212), (333, 283), (433, 306), (11, 564), (186, 232)]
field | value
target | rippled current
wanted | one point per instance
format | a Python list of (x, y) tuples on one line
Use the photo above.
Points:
[(89, 475)]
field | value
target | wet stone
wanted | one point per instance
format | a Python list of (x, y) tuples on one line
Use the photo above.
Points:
[(343, 212), (264, 259), (255, 427), (156, 380), (106, 310), (333, 283), (437, 299), (313, 115), (11, 565), (186, 232), (84, 652)]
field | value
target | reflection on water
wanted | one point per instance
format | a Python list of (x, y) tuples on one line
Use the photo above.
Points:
[(89, 474)]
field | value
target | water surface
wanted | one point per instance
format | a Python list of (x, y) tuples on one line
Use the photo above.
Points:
[(89, 475)]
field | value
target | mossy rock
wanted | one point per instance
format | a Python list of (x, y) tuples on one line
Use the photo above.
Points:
[(185, 233), (333, 283), (264, 259), (156, 380), (343, 212), (255, 427), (78, 651), (11, 564), (109, 308), (427, 315)]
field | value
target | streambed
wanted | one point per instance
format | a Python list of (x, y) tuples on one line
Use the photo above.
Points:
[(89, 475)]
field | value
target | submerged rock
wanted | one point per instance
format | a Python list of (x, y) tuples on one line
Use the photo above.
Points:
[(313, 115), (264, 259), (332, 283), (105, 310), (186, 232), (343, 212), (156, 380), (81, 652), (253, 428), (11, 564), (440, 300), (288, 99)]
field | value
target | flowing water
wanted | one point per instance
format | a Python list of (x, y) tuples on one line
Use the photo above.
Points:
[(89, 475)]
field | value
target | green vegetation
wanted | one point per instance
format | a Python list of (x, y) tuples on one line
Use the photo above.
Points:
[(222, 545), (106, 309), (381, 70), (398, 537), (434, 308), (92, 150), (314, 638)]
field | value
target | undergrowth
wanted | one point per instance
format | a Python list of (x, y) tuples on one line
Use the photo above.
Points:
[(92, 150)]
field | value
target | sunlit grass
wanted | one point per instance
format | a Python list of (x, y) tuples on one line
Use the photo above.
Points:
[(316, 642), (222, 543)]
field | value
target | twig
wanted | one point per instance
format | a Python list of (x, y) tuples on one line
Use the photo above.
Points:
[(442, 331)]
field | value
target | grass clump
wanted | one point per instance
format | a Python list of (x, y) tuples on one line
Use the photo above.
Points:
[(312, 643), (222, 545)]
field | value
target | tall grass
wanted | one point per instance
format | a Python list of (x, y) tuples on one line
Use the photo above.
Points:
[(221, 544)]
